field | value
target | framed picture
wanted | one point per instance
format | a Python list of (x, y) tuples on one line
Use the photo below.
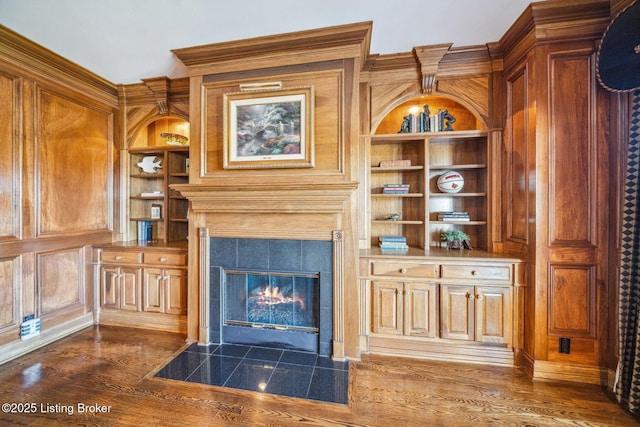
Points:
[(269, 129)]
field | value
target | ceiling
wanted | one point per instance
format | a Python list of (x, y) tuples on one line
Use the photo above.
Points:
[(125, 41)]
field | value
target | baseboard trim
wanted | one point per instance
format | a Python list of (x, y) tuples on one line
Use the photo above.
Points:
[(19, 348), (440, 350), (544, 370)]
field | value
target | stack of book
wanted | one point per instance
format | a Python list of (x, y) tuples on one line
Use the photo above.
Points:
[(395, 189), (145, 231), (394, 163), (393, 242), (453, 216)]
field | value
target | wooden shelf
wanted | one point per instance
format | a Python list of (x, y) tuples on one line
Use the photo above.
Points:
[(400, 221), (460, 222), (464, 166), (379, 169), (430, 154), (397, 195), (454, 195)]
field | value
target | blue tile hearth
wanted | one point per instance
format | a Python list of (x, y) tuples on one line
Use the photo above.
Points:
[(264, 370)]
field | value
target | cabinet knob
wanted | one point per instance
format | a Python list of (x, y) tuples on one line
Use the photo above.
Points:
[(118, 257), (471, 296), (479, 297), (403, 270), (474, 273), (163, 259)]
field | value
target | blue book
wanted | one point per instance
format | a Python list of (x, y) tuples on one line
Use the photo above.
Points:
[(397, 239), (148, 231)]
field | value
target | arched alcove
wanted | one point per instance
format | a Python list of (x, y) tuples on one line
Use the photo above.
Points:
[(149, 135), (465, 119)]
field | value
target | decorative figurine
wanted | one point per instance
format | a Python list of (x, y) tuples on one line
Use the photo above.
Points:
[(406, 124), (448, 120), (425, 123)]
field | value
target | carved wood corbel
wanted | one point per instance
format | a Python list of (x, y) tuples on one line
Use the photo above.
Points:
[(160, 88), (429, 58)]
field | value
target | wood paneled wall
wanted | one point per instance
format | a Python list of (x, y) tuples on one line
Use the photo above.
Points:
[(56, 178), (557, 186)]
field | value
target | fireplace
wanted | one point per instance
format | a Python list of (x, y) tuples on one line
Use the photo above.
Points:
[(282, 301), (272, 292)]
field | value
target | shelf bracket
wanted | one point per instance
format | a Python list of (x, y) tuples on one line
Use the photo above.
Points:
[(429, 58), (160, 88)]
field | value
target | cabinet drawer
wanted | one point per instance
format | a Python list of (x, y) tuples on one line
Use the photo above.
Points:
[(160, 258), (493, 272), (402, 269), (121, 257)]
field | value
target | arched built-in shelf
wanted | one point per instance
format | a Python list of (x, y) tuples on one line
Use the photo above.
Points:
[(420, 158)]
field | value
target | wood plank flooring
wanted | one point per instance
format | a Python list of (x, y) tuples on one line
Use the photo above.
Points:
[(111, 369)]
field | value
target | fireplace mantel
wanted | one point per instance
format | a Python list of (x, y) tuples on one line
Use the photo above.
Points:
[(272, 210), (328, 197)]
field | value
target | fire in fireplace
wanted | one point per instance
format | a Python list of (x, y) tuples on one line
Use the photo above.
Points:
[(276, 300)]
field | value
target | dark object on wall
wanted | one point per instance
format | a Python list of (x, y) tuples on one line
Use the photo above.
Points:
[(618, 60)]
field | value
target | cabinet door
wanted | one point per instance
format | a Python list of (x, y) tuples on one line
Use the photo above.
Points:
[(130, 289), (110, 284), (175, 301), (153, 290), (457, 312), (420, 302), (387, 308), (493, 314)]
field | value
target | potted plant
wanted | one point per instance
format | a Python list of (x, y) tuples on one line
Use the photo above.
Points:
[(456, 239)]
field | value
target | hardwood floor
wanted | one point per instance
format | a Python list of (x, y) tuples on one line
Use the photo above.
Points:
[(111, 369)]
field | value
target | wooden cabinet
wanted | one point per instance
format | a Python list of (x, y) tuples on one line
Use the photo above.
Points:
[(442, 304), (164, 291), (404, 308), (476, 313), (426, 156), (145, 286)]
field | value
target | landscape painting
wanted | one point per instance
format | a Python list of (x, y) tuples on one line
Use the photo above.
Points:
[(268, 129)]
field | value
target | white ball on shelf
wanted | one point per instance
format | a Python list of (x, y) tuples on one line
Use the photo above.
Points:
[(450, 182)]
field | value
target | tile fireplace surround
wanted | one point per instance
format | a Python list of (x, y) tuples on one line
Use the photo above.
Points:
[(270, 255)]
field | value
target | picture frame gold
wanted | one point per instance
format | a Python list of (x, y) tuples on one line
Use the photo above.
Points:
[(269, 129)]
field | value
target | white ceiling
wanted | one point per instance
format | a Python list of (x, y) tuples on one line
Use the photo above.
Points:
[(125, 41)]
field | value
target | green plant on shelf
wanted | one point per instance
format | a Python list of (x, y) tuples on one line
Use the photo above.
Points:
[(456, 239)]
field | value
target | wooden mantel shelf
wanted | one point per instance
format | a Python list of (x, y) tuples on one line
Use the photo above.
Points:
[(328, 197)]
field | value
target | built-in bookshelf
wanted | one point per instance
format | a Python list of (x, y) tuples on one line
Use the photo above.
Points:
[(422, 157), (151, 199), (156, 162)]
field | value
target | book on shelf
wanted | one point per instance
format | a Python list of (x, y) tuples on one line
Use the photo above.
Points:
[(394, 163), (152, 194), (395, 189), (145, 231), (394, 246), (392, 239), (453, 216)]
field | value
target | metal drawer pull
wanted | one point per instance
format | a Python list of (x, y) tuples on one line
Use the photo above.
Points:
[(403, 270)]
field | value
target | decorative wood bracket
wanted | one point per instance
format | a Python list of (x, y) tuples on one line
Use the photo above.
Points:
[(429, 58), (160, 88)]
